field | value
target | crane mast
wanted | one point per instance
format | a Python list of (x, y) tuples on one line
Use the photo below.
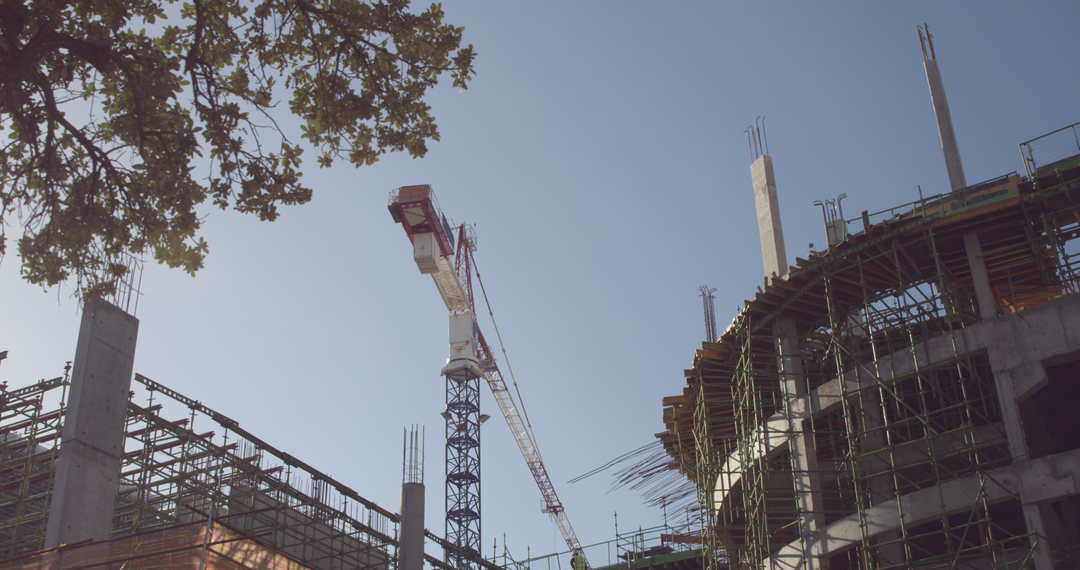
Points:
[(470, 358)]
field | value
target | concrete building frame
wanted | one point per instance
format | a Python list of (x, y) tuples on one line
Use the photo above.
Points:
[(939, 431)]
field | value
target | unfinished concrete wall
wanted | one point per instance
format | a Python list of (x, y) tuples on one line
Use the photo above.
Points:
[(92, 443)]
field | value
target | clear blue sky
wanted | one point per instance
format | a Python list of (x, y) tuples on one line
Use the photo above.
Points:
[(601, 153)]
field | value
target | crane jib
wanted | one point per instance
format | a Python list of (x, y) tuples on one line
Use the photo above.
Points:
[(418, 211)]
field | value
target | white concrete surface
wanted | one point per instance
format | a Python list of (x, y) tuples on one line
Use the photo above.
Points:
[(945, 126), (770, 231), (411, 543), (92, 443)]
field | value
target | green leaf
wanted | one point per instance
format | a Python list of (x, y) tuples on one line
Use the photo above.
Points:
[(120, 181)]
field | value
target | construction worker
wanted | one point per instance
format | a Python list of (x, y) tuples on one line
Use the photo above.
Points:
[(577, 561)]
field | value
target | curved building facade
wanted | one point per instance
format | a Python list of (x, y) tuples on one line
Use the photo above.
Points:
[(908, 398)]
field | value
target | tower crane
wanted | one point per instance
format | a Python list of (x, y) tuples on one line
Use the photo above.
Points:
[(451, 266)]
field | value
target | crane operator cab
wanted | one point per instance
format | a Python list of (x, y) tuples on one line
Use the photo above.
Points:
[(463, 362)]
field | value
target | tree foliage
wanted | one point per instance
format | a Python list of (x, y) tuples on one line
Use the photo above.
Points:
[(106, 104)]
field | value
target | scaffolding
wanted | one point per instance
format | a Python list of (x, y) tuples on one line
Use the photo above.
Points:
[(899, 410), (174, 473), (200, 474), (30, 430), (664, 547), (193, 546)]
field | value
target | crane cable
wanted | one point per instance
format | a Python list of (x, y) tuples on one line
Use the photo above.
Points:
[(506, 358)]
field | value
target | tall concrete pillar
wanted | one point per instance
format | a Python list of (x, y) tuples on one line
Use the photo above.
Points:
[(945, 126), (411, 549), (984, 295), (957, 180), (770, 231), (789, 361), (92, 443), (1015, 379), (411, 540), (802, 447)]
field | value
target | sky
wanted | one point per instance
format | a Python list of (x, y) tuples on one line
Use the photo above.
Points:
[(601, 153)]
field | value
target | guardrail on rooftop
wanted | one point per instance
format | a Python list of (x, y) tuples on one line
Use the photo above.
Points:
[(1056, 150), (947, 201), (626, 549)]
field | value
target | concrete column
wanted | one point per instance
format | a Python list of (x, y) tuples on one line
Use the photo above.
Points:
[(92, 442), (807, 478), (1011, 370), (983, 294), (770, 231), (411, 555), (945, 126), (1033, 518), (957, 180)]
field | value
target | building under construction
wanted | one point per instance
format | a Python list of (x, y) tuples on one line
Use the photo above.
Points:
[(94, 473), (906, 398), (902, 399)]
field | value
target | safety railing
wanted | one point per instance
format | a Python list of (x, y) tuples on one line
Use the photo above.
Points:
[(1056, 150)]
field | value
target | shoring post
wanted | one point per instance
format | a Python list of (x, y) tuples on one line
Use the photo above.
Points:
[(837, 323), (923, 381), (807, 508), (748, 407), (884, 393), (705, 475), (1051, 236)]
